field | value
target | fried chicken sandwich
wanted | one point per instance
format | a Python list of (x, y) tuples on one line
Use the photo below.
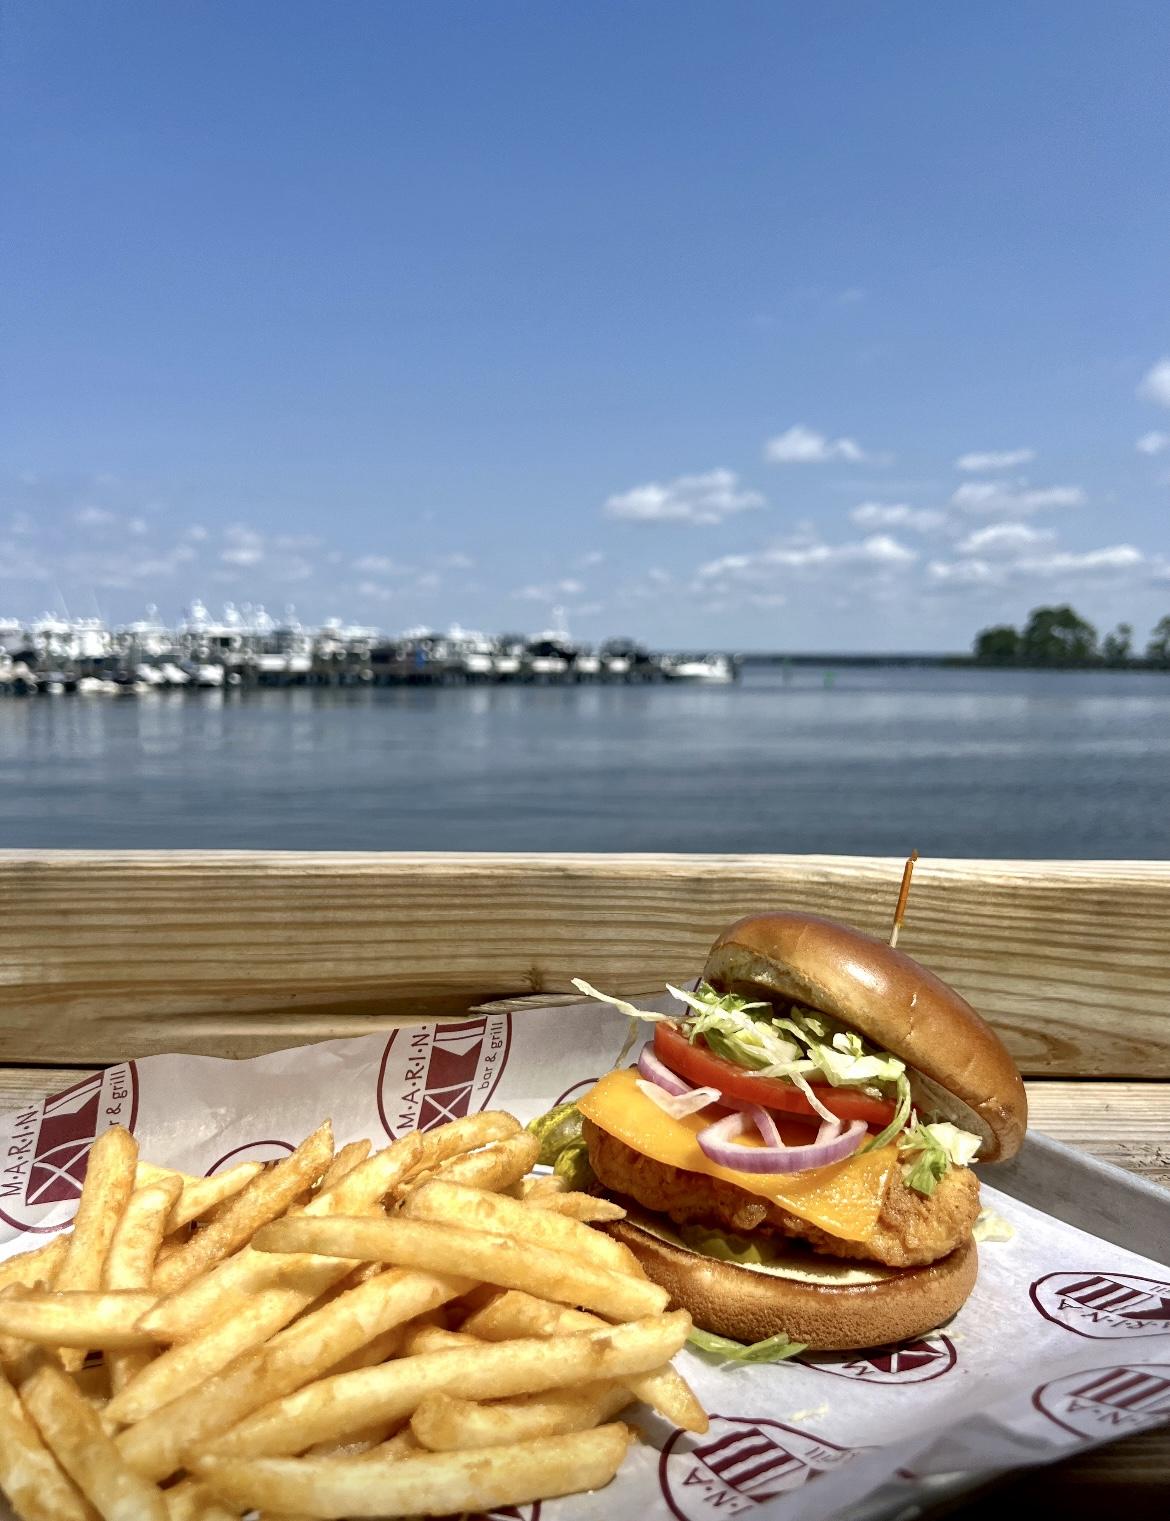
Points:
[(794, 1146)]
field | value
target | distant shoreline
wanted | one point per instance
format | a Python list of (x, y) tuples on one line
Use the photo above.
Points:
[(938, 662)]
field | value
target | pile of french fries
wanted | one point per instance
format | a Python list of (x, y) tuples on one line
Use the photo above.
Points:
[(420, 1330)]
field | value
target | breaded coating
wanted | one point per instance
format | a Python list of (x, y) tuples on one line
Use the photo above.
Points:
[(912, 1228)]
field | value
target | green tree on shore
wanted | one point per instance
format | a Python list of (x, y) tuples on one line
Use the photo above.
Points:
[(1158, 649), (1057, 636), (1117, 647), (999, 645)]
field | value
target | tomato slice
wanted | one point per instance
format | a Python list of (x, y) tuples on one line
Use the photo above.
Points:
[(700, 1066)]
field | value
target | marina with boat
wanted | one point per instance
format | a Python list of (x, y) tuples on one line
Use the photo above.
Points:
[(247, 648)]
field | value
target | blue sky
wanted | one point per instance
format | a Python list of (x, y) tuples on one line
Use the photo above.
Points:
[(687, 318)]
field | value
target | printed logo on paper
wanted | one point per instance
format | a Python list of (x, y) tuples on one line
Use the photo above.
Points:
[(254, 1151), (1104, 1403), (431, 1074), (911, 1362), (44, 1149), (739, 1463), (1103, 1305)]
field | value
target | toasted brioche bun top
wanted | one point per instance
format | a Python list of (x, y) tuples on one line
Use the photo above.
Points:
[(959, 1068)]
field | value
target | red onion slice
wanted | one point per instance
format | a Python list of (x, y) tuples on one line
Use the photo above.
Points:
[(654, 1068), (718, 1143), (766, 1125)]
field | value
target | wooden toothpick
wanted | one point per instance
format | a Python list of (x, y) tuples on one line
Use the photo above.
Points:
[(904, 893)]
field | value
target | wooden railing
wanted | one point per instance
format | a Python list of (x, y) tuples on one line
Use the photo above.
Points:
[(108, 955)]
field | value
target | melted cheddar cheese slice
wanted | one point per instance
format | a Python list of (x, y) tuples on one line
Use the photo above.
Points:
[(844, 1199)]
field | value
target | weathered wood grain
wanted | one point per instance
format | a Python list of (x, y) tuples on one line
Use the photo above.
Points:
[(108, 955)]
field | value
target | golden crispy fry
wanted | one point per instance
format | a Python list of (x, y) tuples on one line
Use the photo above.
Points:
[(36, 1267), (206, 1299), (131, 1258), (456, 1204), (336, 1406), (191, 1501), (515, 1314), (533, 1187), (582, 1207), (264, 1198), (200, 1195), (71, 1429), (301, 1353), (344, 1162), (429, 1483), (378, 1349), (109, 1182), (490, 1257), (463, 1135), (497, 1166), (435, 1339), (445, 1423), (77, 1318), (29, 1473)]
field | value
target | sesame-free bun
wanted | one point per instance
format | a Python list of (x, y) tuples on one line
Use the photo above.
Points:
[(959, 1068), (748, 1306)]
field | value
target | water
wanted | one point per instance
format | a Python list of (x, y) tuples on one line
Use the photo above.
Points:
[(954, 763)]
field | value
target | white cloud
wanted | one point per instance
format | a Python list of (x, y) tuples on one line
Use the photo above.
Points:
[(1004, 459), (550, 593), (594, 557), (378, 565), (245, 547), (95, 517), (457, 562), (962, 572), (1003, 538), (1063, 564), (1005, 499), (1094, 561), (137, 526), (1155, 383), (297, 541), (197, 532), (878, 550), (1153, 443), (897, 515), (804, 446), (697, 499), (374, 591)]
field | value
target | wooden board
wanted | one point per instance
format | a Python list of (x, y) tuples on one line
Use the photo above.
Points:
[(104, 956)]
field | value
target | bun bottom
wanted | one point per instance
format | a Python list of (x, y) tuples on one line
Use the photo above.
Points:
[(733, 1301)]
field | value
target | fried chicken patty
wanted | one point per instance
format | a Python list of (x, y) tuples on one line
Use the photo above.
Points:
[(912, 1228)]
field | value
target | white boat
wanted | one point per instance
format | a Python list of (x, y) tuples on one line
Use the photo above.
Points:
[(209, 675), (707, 668)]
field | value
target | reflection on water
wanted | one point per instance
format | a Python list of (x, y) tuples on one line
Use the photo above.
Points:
[(970, 763)]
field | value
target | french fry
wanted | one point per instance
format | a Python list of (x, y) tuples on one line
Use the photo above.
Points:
[(531, 1188), (130, 1260), (456, 1204), (515, 1314), (109, 1182), (231, 1283), (77, 1318), (263, 1199), (333, 1407), (36, 1267), (191, 1501), (577, 1206), (344, 1162), (466, 1134), (429, 1483), (435, 1339), (378, 1349), (199, 1195), (497, 1166), (445, 1423), (72, 1431), (489, 1257), (29, 1473), (303, 1352)]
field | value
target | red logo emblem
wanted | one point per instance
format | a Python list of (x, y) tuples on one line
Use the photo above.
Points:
[(1103, 1305), (740, 1462), (434, 1073), (45, 1149), (1104, 1403), (254, 1151), (912, 1362)]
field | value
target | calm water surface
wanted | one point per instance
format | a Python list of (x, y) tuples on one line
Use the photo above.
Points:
[(960, 763)]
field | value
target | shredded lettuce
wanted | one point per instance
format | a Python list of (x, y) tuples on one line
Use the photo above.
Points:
[(930, 1150), (774, 1350), (901, 1114)]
